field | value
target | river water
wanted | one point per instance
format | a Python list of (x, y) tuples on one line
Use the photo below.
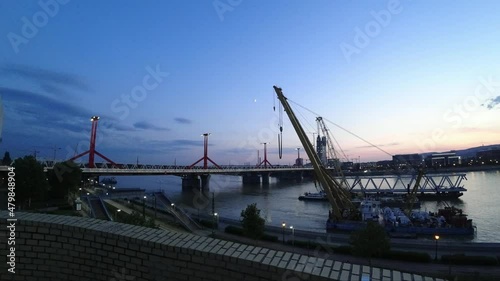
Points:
[(278, 201)]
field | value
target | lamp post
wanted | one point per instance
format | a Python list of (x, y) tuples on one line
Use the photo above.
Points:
[(116, 214), (154, 196), (436, 237), (144, 207), (214, 216), (173, 206), (293, 235), (283, 224)]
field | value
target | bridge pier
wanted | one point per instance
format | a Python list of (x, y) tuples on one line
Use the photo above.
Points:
[(250, 178), (205, 181), (295, 176), (265, 178), (190, 182)]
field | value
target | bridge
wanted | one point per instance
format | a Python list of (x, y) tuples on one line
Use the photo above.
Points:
[(198, 177)]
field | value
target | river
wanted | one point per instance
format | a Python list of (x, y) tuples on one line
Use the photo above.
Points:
[(278, 200)]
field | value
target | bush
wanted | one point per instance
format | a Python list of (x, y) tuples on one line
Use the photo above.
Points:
[(344, 250), (234, 230), (408, 256), (208, 224), (371, 241), (270, 238), (302, 244), (469, 260), (253, 224)]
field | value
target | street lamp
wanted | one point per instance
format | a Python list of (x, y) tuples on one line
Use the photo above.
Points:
[(154, 196), (144, 207), (173, 206), (293, 234), (436, 237), (283, 224), (116, 214), (214, 219)]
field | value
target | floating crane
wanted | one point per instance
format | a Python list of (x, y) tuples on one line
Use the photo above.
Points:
[(338, 196), (331, 153)]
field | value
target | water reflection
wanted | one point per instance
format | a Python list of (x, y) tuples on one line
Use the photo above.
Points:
[(279, 202)]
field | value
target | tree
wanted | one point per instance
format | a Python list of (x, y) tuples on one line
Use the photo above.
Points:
[(253, 224), (136, 218), (64, 178), (372, 241), (31, 181), (6, 161)]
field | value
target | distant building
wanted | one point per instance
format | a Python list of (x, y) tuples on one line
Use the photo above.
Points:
[(385, 164), (346, 165), (333, 162), (443, 159), (488, 156), (404, 160)]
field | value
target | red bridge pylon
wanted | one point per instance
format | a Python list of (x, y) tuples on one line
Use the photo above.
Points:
[(92, 151), (205, 157), (265, 162)]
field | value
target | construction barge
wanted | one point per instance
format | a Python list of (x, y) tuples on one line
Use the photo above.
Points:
[(346, 216)]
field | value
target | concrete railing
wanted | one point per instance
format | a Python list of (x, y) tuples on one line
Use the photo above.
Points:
[(50, 247)]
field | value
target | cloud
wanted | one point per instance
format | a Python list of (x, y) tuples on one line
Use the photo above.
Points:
[(144, 125), (47, 79), (44, 118), (185, 143), (51, 89), (110, 123), (380, 145), (181, 120), (492, 103), (41, 106)]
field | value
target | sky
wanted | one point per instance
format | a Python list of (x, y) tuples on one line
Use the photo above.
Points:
[(405, 76)]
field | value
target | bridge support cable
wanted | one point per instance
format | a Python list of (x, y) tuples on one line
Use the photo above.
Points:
[(344, 129)]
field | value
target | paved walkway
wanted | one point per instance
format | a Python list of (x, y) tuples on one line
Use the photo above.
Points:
[(160, 221), (411, 267)]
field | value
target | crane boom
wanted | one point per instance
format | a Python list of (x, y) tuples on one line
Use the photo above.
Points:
[(413, 194), (338, 196), (331, 152)]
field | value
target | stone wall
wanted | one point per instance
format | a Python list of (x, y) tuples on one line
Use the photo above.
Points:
[(49, 247)]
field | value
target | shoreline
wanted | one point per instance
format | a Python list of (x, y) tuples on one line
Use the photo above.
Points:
[(428, 171)]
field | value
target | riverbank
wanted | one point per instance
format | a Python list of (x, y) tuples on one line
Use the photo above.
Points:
[(342, 239), (429, 170)]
